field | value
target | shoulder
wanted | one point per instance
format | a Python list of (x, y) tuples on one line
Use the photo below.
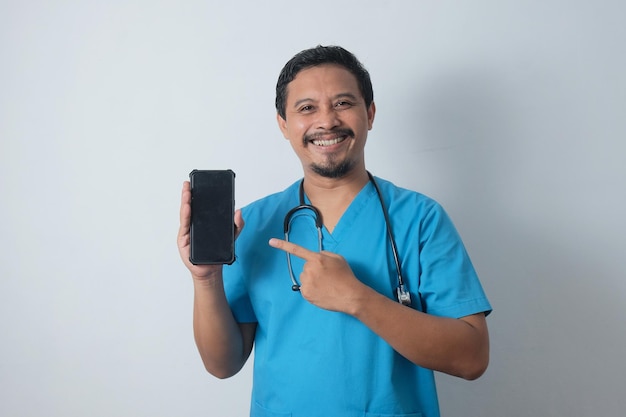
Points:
[(412, 209), (399, 198)]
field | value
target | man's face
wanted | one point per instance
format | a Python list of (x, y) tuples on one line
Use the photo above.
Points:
[(327, 120)]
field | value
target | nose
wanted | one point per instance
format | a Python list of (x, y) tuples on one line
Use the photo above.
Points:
[(328, 118)]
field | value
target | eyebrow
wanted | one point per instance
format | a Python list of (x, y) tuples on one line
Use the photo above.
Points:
[(338, 96)]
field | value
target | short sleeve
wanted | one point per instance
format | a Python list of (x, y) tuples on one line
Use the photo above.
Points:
[(449, 285)]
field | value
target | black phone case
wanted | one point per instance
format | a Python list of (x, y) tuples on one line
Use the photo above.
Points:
[(212, 231)]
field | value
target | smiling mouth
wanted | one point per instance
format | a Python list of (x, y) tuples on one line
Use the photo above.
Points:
[(328, 142), (329, 138)]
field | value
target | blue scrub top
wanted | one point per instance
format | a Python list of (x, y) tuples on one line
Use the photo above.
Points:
[(311, 362)]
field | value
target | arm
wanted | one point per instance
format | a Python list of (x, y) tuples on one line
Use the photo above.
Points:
[(224, 344), (458, 347)]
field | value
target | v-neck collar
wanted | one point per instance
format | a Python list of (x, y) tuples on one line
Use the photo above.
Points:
[(363, 197)]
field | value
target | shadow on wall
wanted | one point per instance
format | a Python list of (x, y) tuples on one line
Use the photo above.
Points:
[(553, 330)]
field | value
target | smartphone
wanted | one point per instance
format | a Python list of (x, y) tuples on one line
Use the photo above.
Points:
[(212, 217)]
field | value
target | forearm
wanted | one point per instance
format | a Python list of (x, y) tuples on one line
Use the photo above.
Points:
[(218, 336), (458, 347)]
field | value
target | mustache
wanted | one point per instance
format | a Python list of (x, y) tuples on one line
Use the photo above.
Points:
[(322, 134)]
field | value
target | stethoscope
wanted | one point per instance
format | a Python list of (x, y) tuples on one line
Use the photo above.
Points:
[(402, 295)]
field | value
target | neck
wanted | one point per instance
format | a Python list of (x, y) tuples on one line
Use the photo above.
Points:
[(332, 196), (317, 187)]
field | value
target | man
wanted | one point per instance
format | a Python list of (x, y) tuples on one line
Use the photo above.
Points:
[(341, 344)]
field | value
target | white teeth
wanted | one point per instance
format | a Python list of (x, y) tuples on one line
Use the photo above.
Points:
[(328, 142)]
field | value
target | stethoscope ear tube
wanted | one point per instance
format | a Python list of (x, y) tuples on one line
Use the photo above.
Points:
[(295, 286), (402, 295), (287, 223)]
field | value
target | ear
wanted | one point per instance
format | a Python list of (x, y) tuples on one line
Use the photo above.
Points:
[(371, 112), (282, 125)]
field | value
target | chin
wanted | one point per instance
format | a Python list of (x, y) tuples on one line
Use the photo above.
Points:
[(333, 170)]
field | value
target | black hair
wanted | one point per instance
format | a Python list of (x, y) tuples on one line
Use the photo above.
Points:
[(318, 56)]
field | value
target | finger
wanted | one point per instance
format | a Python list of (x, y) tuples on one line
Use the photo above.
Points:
[(239, 223), (185, 209), (293, 249)]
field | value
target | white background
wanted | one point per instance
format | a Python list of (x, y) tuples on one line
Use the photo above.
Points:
[(511, 114)]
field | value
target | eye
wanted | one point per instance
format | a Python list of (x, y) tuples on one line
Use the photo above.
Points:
[(344, 104), (306, 108)]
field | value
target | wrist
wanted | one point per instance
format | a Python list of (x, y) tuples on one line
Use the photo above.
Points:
[(361, 299), (208, 280)]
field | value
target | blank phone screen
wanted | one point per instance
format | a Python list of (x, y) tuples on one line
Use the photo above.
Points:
[(212, 224)]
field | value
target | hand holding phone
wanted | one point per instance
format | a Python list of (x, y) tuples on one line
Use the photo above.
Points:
[(212, 229)]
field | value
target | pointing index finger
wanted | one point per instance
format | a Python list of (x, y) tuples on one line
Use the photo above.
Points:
[(292, 248)]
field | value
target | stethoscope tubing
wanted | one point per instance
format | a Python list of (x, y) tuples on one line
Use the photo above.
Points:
[(318, 225), (402, 294)]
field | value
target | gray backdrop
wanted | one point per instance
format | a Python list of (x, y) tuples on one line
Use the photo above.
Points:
[(511, 114)]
